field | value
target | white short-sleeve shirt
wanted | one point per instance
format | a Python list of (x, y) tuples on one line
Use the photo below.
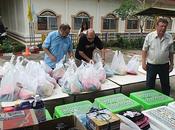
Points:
[(158, 49)]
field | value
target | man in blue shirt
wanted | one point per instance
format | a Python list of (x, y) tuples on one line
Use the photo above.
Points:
[(57, 44)]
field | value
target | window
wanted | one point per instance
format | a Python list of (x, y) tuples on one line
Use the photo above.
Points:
[(169, 23), (132, 23), (77, 20), (109, 23), (150, 23), (47, 20)]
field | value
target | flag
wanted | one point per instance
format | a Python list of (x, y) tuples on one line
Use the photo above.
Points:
[(29, 12)]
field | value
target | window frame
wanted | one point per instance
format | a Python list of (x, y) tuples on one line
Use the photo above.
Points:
[(170, 23), (109, 16), (145, 23), (82, 15), (48, 13), (132, 30)]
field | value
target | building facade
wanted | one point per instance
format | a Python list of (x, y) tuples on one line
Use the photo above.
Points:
[(49, 14)]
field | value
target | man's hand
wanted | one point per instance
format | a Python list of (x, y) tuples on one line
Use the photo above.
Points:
[(144, 66), (53, 58), (171, 67)]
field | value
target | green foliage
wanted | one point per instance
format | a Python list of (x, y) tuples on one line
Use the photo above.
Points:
[(125, 43), (6, 48), (9, 45), (126, 9), (18, 48)]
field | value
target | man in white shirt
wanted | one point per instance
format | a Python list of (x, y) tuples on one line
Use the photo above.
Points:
[(157, 56)]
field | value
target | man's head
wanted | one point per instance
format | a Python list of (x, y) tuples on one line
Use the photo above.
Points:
[(64, 30), (161, 26), (90, 35)]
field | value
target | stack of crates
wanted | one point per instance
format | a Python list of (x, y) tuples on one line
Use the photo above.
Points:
[(69, 109), (150, 98), (117, 103)]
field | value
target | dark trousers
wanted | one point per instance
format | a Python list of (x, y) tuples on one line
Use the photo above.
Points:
[(163, 71)]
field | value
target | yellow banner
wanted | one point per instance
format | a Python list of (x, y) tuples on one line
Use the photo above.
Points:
[(29, 12)]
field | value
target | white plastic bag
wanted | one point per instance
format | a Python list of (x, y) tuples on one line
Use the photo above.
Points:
[(133, 65), (88, 79), (8, 85), (101, 73), (118, 65), (7, 66), (96, 57), (108, 70), (69, 82), (47, 68), (59, 70)]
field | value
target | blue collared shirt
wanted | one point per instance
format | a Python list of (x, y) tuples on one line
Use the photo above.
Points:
[(58, 46)]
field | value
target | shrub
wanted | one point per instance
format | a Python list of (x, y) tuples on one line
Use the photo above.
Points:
[(18, 48), (6, 48), (9, 45), (125, 43)]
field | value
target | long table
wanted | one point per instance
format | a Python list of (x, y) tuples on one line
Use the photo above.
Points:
[(123, 80), (59, 97), (106, 86), (132, 79), (58, 94)]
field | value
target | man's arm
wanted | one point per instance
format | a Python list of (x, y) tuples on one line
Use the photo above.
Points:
[(52, 57), (82, 54), (171, 57), (144, 56), (103, 54)]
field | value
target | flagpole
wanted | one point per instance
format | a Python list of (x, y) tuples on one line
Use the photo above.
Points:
[(30, 18)]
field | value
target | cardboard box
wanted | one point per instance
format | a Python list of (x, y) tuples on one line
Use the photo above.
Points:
[(69, 121), (103, 120), (17, 119)]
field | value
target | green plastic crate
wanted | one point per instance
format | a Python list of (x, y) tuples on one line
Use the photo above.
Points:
[(69, 109), (48, 116), (151, 98), (117, 103)]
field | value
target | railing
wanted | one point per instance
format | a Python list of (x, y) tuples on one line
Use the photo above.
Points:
[(106, 37)]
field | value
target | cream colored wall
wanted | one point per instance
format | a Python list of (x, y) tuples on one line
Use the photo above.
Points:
[(14, 13), (64, 8), (95, 8), (13, 16)]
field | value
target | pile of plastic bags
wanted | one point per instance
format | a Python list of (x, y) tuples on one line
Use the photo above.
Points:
[(119, 67), (87, 77), (22, 79)]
